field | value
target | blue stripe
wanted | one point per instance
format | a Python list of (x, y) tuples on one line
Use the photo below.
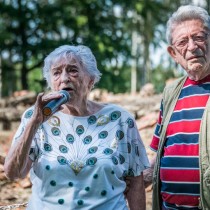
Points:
[(192, 114), (180, 162), (157, 129), (195, 89), (182, 138), (181, 188)]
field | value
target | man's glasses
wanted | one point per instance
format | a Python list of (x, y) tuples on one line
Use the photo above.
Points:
[(198, 39)]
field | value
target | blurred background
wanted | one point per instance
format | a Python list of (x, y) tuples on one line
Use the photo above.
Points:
[(127, 39)]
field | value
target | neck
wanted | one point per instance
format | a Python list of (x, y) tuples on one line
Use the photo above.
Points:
[(80, 109)]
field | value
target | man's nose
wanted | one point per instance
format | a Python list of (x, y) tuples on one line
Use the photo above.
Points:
[(192, 45)]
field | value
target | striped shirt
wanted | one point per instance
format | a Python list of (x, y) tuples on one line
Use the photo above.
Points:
[(179, 167)]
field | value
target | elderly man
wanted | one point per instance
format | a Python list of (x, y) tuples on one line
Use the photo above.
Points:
[(181, 178)]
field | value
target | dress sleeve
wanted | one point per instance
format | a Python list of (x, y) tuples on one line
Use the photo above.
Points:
[(34, 150), (138, 160), (156, 137)]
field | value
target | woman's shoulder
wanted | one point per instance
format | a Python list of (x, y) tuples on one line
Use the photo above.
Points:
[(28, 112), (118, 108)]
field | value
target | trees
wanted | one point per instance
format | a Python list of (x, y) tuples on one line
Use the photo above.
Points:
[(30, 29)]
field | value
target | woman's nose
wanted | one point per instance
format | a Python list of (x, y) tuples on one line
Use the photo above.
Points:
[(64, 76)]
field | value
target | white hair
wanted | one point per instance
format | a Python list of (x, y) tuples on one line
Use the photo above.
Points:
[(184, 13), (81, 52)]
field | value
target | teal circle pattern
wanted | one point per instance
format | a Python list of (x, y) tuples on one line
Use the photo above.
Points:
[(47, 167), (63, 148), (47, 147), (115, 115), (28, 114), (114, 160), (121, 158), (108, 151), (80, 130), (80, 202), (55, 131), (62, 160), (61, 201), (53, 183), (92, 150), (92, 120), (70, 138), (87, 189), (103, 192), (95, 176), (91, 161), (71, 184), (103, 134), (130, 123), (87, 140)]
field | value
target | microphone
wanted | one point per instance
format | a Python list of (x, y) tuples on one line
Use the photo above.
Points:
[(54, 105)]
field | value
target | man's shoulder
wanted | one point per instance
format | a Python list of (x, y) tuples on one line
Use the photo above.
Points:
[(175, 83), (172, 86)]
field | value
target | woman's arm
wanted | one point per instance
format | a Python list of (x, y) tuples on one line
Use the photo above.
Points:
[(17, 162), (136, 194)]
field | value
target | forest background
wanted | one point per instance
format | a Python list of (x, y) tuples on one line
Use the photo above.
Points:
[(126, 37)]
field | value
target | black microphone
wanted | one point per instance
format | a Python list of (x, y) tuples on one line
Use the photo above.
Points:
[(54, 105)]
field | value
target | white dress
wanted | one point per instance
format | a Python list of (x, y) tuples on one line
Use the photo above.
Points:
[(81, 162)]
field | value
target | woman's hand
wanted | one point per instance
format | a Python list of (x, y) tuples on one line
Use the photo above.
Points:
[(42, 99)]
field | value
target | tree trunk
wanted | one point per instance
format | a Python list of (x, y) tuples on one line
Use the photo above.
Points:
[(22, 27), (133, 63), (0, 78)]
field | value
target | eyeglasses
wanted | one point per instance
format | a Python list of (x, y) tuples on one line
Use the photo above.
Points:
[(198, 39)]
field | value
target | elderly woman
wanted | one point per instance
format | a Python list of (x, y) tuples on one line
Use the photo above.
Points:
[(79, 156)]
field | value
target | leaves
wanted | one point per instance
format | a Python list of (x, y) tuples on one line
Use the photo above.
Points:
[(30, 29)]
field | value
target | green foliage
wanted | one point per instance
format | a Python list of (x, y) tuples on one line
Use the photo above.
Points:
[(160, 75), (30, 29)]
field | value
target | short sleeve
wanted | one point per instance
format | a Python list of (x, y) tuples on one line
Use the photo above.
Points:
[(156, 137), (138, 160), (34, 150)]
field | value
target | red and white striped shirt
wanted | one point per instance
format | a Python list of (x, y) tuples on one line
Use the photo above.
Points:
[(179, 167)]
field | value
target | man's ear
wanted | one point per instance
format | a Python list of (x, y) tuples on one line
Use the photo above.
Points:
[(172, 52)]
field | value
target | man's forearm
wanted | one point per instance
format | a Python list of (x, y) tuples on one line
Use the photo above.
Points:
[(148, 173)]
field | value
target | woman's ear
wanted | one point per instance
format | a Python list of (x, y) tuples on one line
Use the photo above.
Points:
[(91, 84), (172, 52)]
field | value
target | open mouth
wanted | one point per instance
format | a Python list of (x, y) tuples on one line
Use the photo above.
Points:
[(68, 89)]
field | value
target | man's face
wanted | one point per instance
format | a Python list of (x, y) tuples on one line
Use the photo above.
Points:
[(190, 48)]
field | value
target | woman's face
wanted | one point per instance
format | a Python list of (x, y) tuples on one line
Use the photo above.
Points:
[(68, 74)]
